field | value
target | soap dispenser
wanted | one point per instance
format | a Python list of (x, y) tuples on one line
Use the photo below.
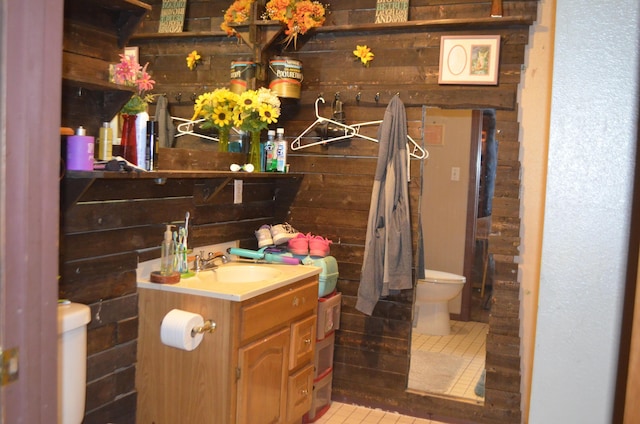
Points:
[(167, 253)]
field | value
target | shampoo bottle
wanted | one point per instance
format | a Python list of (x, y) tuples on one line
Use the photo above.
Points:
[(167, 252)]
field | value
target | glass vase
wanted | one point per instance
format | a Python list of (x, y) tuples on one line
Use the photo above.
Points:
[(223, 140), (254, 150), (128, 139)]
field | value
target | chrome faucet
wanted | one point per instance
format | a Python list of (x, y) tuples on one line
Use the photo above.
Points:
[(201, 263)]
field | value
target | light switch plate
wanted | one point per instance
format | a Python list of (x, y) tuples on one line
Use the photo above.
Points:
[(455, 173), (237, 191)]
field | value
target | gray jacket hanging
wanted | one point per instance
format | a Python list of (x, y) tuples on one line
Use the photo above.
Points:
[(166, 129), (388, 249)]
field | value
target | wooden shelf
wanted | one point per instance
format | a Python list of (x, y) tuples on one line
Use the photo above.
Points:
[(184, 174), (120, 17), (154, 36), (94, 31), (430, 24), (76, 183)]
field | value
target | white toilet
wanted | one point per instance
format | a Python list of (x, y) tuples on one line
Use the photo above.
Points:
[(433, 294), (72, 361)]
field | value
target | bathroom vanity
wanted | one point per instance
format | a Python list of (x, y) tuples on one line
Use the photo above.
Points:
[(256, 367)]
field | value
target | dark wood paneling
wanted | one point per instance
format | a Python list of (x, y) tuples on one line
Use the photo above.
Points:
[(102, 238)]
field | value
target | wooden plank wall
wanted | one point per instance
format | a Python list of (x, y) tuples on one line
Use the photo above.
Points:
[(101, 241), (117, 223)]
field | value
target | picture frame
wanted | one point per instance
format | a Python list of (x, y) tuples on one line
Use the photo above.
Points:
[(469, 59), (133, 51)]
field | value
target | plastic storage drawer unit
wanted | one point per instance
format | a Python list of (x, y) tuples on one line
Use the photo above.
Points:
[(323, 359), (328, 314), (320, 399)]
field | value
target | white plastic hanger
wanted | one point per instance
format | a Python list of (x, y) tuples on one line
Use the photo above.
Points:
[(351, 131), (186, 128)]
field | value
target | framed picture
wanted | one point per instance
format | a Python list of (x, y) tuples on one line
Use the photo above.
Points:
[(133, 51), (471, 59)]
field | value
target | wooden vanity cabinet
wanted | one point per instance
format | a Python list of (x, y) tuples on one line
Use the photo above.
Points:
[(256, 368)]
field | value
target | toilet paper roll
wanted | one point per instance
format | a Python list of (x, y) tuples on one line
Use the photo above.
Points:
[(176, 327)]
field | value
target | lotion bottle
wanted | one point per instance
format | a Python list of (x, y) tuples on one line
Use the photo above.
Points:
[(105, 142), (167, 252)]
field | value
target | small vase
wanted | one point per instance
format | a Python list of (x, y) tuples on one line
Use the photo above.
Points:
[(128, 139), (223, 140), (254, 150)]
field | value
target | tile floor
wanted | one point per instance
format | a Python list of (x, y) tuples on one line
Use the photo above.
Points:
[(467, 341), (342, 413)]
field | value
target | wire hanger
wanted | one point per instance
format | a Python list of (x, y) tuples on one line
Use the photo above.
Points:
[(351, 131)]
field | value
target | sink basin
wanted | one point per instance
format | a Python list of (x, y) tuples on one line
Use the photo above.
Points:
[(237, 281), (239, 274)]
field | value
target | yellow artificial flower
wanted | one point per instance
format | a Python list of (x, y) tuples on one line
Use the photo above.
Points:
[(192, 60), (268, 113), (221, 117), (248, 100), (364, 54)]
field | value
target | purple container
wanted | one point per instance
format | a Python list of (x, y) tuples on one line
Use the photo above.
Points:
[(80, 153)]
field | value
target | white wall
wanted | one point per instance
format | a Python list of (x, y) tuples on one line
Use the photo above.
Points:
[(534, 108), (592, 144)]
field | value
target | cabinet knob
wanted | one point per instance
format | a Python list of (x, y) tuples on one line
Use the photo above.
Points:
[(307, 341), (304, 392), (295, 301)]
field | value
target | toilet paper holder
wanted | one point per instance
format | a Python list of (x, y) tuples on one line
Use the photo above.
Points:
[(207, 327)]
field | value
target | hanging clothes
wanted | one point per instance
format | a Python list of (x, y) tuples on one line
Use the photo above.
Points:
[(164, 123), (388, 248)]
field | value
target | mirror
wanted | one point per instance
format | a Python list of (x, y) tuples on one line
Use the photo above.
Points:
[(448, 354)]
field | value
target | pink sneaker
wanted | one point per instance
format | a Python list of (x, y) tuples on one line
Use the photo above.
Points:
[(319, 246), (299, 245)]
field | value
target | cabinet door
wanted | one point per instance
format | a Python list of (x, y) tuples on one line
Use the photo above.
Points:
[(299, 394), (263, 368), (303, 342)]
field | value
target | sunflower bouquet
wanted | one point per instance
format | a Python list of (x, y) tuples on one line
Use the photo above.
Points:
[(256, 109), (251, 111), (217, 108)]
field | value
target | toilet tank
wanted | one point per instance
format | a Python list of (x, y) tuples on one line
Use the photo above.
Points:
[(72, 361)]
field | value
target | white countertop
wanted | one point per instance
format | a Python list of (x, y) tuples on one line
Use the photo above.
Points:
[(202, 284)]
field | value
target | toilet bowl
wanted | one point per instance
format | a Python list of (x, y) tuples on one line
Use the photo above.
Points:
[(433, 294), (72, 361)]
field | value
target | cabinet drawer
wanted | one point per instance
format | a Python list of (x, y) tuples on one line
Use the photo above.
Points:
[(257, 318), (299, 394), (303, 342)]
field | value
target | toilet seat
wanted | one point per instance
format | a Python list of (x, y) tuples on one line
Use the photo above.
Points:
[(443, 277)]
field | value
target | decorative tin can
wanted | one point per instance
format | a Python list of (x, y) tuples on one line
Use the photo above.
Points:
[(243, 75), (285, 76)]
